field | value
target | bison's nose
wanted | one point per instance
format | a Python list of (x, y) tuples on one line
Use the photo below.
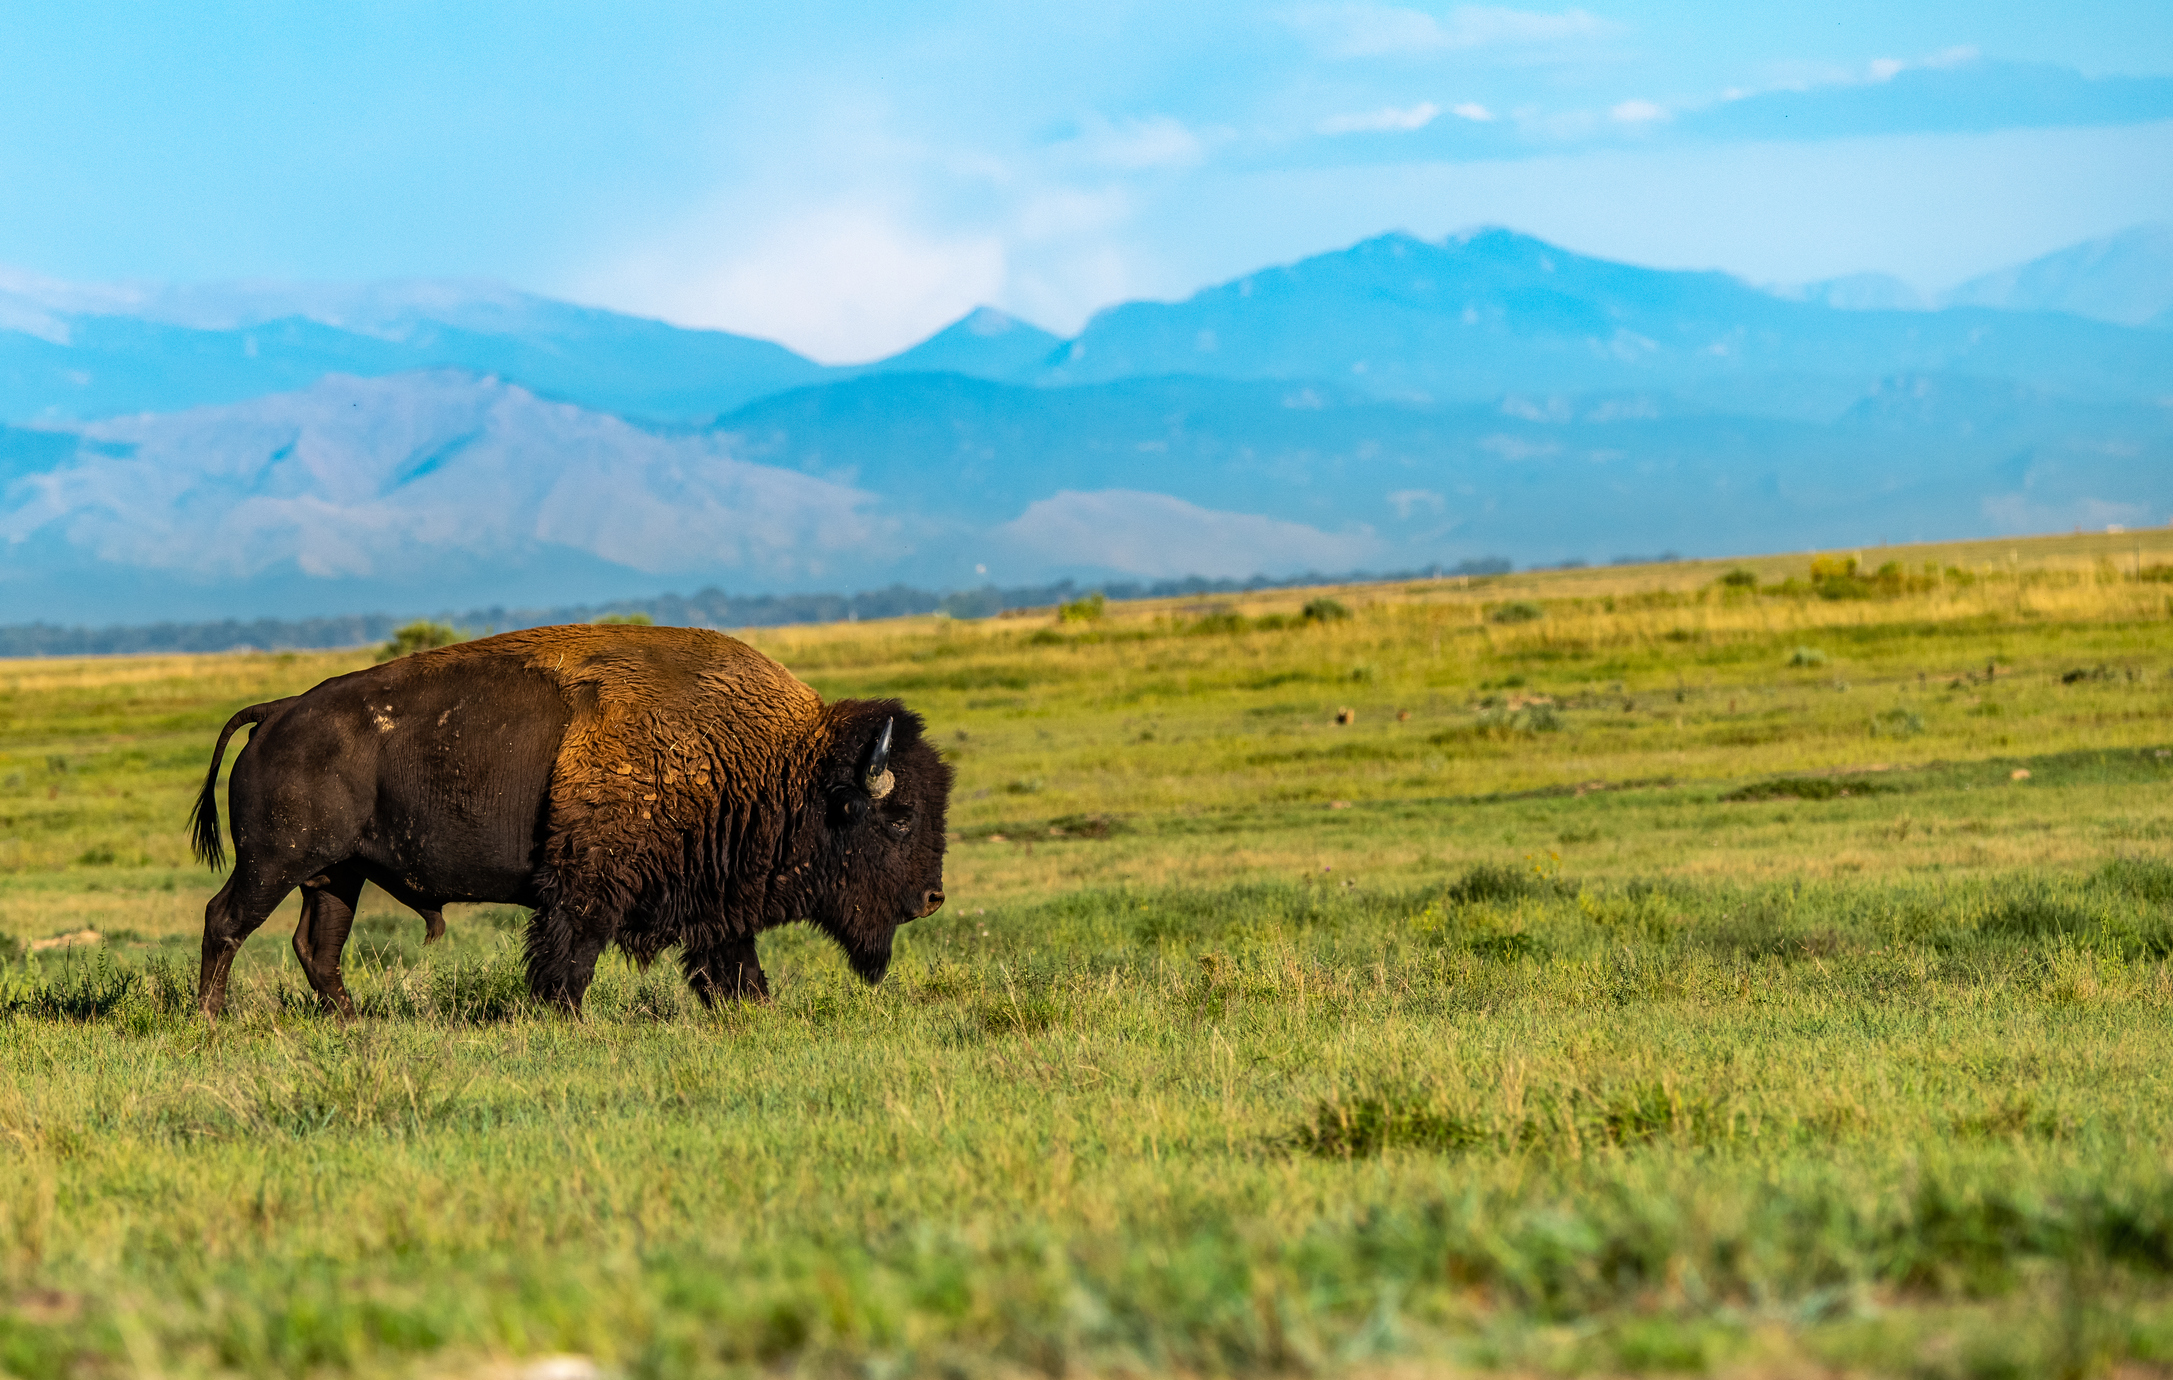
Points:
[(931, 902)]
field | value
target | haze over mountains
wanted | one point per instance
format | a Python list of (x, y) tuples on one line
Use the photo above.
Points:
[(262, 450)]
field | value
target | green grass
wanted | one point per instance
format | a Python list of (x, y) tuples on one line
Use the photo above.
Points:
[(1709, 1030)]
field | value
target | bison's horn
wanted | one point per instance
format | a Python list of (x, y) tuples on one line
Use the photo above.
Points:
[(878, 779)]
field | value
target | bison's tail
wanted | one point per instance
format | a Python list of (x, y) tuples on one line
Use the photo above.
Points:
[(204, 819)]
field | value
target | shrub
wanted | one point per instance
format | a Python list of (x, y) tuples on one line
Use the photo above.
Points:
[(1363, 1126), (2145, 878), (1499, 882), (1324, 610), (1740, 578), (1502, 721), (478, 993), (1220, 621), (1843, 577), (2037, 917), (1807, 656), (1808, 788), (1897, 723), (1537, 718), (1015, 1015), (1517, 611), (1088, 609), (1506, 948), (83, 992), (419, 636)]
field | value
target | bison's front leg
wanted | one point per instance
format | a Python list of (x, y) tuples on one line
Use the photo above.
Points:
[(562, 957), (725, 969)]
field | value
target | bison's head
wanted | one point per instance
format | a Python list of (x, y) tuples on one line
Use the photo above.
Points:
[(884, 795)]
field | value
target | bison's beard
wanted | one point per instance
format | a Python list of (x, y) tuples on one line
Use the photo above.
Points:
[(868, 953), (869, 958)]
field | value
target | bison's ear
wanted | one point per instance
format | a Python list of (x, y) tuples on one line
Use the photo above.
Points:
[(847, 807)]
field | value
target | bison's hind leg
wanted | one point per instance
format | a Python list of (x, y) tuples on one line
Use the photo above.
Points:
[(328, 916), (430, 908), (252, 892), (223, 935)]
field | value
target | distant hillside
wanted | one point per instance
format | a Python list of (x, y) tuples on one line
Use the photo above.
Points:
[(445, 490), (419, 489), (1495, 312), (196, 456), (984, 344), (2126, 278), (69, 365)]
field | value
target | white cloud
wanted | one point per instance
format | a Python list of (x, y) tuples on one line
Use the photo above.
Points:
[(1156, 536), (1136, 145), (865, 242), (1886, 69), (1517, 448), (1809, 76), (851, 280), (1374, 30), (2023, 512), (1386, 120), (1471, 110), (1637, 112), (1064, 212), (28, 318)]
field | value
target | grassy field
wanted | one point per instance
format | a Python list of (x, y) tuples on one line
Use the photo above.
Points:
[(1661, 969)]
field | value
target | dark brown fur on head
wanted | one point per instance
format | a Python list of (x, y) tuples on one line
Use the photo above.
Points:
[(877, 863)]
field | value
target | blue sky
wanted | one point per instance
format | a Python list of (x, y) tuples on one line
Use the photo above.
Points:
[(847, 177)]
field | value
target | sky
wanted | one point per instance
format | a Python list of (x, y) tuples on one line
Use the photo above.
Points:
[(847, 178)]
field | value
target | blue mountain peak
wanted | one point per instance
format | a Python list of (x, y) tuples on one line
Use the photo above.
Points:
[(985, 343)]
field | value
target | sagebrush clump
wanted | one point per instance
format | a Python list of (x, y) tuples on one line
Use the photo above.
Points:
[(420, 636)]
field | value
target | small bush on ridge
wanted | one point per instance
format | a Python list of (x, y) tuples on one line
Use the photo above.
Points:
[(1086, 609), (419, 636)]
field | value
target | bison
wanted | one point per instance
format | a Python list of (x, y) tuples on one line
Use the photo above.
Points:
[(632, 785)]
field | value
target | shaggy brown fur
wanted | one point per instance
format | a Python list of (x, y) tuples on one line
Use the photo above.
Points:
[(676, 733)]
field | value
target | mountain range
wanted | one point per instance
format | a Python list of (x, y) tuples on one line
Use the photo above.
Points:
[(263, 450)]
